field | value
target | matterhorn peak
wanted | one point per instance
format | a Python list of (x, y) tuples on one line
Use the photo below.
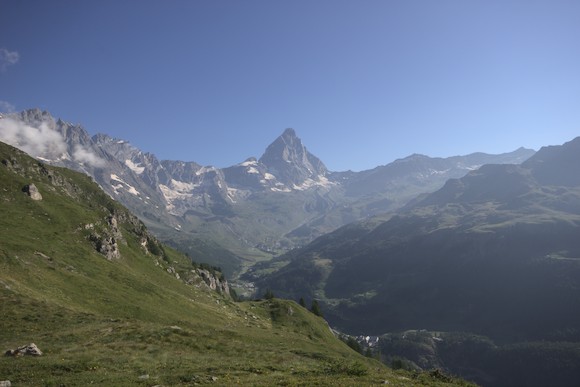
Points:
[(289, 132), (289, 160)]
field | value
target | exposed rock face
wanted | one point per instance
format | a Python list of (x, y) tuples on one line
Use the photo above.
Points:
[(106, 241), (32, 191), (107, 245), (114, 227), (5, 383), (214, 283), (29, 350)]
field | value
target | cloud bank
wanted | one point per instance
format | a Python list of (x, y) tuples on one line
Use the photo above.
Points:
[(37, 142), (86, 156), (44, 142), (8, 58)]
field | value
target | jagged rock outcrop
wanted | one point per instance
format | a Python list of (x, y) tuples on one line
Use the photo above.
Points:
[(107, 238), (28, 350), (32, 191), (213, 282), (106, 245)]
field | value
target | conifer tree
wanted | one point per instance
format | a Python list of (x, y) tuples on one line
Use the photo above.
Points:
[(315, 308), (269, 295)]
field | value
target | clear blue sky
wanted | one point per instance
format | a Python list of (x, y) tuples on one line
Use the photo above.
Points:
[(361, 82)]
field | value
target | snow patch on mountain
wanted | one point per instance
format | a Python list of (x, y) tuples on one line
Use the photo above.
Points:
[(128, 187), (137, 168), (232, 192), (249, 163), (132, 190), (472, 167), (182, 186), (178, 195), (285, 189), (172, 196), (116, 178), (321, 181)]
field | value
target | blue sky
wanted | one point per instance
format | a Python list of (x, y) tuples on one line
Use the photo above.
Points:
[(361, 82)]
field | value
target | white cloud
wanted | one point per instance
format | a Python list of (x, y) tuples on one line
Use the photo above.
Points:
[(83, 155), (8, 58), (43, 141), (7, 107), (37, 142)]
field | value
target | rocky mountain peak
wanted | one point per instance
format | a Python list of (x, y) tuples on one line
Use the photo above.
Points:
[(289, 160), (36, 116), (289, 133)]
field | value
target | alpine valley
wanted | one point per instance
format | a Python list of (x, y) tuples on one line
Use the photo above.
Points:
[(90, 297), (249, 212), (495, 253), (467, 264)]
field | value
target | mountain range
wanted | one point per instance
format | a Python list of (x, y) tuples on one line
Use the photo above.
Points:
[(438, 259), (481, 244), (102, 302), (233, 217), (495, 253)]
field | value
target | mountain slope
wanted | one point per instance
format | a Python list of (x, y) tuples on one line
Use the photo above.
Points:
[(468, 257), (144, 315), (245, 213), (481, 278)]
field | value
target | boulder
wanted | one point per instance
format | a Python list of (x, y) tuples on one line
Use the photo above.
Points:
[(29, 350), (32, 191)]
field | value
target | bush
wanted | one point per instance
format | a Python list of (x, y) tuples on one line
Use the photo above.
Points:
[(342, 367)]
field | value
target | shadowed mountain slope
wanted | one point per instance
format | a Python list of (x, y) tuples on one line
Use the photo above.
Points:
[(495, 252)]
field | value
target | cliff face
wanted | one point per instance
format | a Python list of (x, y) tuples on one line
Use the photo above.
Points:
[(214, 282)]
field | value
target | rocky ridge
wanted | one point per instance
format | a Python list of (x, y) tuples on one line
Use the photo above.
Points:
[(265, 205)]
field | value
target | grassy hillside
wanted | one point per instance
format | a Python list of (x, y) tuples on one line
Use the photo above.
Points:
[(143, 317)]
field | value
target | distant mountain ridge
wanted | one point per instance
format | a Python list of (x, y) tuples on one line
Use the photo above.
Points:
[(495, 252), (481, 277), (254, 209)]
